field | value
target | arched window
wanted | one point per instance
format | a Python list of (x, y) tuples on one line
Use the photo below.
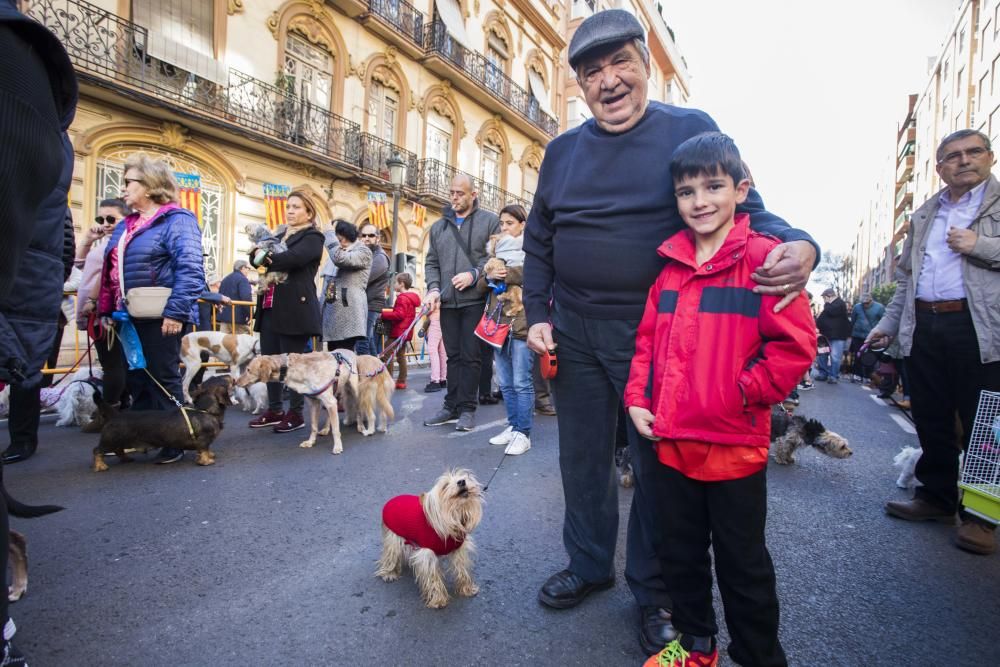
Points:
[(440, 133), (308, 71), (383, 111), (530, 183), (110, 171), (491, 165)]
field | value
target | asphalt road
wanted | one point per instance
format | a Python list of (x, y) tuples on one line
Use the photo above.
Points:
[(267, 558)]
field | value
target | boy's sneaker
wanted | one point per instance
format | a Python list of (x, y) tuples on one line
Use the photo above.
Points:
[(443, 416), (466, 421), (503, 437), (267, 419), (400, 385), (519, 444), (291, 422), (806, 386), (12, 657), (675, 655)]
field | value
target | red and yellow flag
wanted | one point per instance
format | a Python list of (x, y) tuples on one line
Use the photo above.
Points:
[(275, 197), (419, 214), (189, 191), (378, 214)]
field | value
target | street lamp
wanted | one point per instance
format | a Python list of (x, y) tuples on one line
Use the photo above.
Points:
[(397, 176)]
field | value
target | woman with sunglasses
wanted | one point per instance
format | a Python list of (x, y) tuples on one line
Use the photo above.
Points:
[(90, 261), (161, 247)]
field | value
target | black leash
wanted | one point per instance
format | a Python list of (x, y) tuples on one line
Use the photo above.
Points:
[(497, 469)]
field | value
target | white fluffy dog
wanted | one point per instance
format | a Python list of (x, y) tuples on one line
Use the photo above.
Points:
[(76, 405), (252, 399), (421, 530)]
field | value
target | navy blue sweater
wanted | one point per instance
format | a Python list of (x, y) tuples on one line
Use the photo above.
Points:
[(604, 204)]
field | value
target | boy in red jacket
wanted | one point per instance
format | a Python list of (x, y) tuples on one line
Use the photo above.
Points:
[(711, 356), (402, 314)]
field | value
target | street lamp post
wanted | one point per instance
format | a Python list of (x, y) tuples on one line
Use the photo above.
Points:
[(397, 176)]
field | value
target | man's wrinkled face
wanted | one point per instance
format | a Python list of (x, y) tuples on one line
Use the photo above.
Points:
[(965, 163), (614, 83)]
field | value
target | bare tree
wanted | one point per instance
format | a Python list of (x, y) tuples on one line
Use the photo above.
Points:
[(835, 270)]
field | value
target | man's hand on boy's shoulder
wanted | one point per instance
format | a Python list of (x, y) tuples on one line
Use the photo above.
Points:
[(785, 271)]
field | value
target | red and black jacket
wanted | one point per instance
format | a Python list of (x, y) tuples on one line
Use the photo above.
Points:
[(710, 355)]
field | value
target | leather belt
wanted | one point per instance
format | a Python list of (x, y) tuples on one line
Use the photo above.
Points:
[(953, 306)]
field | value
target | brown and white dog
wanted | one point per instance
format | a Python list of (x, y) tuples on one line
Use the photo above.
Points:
[(422, 530), (371, 407), (321, 377), (233, 349)]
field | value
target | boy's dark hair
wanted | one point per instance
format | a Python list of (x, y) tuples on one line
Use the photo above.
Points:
[(345, 229), (406, 279), (707, 153)]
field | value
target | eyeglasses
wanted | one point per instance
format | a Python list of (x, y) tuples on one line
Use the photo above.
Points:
[(106, 220), (369, 236), (956, 157), (133, 180)]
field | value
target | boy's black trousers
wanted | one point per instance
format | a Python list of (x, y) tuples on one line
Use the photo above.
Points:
[(729, 516)]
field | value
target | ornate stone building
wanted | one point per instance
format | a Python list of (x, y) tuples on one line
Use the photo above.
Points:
[(243, 95)]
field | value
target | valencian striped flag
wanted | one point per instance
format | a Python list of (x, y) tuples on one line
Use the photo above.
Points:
[(189, 191), (275, 197), (377, 210), (419, 214)]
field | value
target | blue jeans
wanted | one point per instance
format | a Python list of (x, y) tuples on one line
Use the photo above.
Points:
[(368, 344), (832, 369), (514, 363)]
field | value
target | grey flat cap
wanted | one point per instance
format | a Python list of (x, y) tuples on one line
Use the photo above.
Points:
[(601, 29)]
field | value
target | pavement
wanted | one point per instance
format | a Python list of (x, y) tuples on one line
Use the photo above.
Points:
[(267, 557)]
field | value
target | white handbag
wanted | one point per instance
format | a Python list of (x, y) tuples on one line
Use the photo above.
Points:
[(142, 303)]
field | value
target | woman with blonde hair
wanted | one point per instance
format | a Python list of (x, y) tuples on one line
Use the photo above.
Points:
[(158, 245), (288, 311)]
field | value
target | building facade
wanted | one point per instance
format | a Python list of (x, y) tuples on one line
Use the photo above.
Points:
[(962, 91)]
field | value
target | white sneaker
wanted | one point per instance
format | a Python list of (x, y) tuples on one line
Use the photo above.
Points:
[(503, 437), (519, 444)]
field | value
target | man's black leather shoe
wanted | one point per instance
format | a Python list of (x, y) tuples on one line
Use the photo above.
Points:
[(565, 589), (655, 629), (15, 454)]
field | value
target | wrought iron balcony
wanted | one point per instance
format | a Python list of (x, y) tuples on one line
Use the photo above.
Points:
[(434, 180), (402, 16), (490, 77), (105, 46), (373, 155)]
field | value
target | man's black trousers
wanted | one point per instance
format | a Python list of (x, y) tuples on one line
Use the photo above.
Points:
[(594, 359), (463, 347), (945, 375)]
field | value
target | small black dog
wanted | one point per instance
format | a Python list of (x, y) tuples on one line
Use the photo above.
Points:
[(145, 429), (789, 433)]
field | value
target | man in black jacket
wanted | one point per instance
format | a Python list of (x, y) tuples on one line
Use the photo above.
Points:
[(38, 94), (455, 258), (835, 324), (236, 286), (378, 282)]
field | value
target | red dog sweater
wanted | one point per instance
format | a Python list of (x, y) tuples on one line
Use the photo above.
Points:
[(404, 516)]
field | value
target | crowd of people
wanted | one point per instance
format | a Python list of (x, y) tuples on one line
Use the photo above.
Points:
[(657, 290)]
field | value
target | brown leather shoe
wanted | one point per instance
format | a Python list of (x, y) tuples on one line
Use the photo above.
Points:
[(918, 510), (976, 537)]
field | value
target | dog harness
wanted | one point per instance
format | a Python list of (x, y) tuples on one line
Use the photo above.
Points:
[(336, 376), (405, 516)]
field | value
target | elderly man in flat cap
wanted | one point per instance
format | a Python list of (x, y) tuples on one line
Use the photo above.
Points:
[(605, 202)]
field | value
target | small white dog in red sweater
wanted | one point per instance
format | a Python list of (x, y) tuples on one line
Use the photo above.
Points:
[(421, 530)]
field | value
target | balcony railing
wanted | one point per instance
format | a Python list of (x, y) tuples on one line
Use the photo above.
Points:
[(401, 15), (489, 76), (434, 179), (375, 151)]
